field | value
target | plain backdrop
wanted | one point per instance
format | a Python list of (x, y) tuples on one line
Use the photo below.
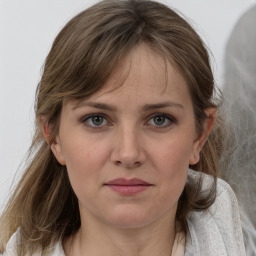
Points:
[(27, 30)]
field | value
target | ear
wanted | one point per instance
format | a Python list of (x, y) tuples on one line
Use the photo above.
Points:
[(55, 145), (202, 137)]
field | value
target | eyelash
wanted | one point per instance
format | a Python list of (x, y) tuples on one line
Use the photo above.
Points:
[(171, 120), (87, 117)]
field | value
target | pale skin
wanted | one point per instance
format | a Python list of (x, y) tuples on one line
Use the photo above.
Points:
[(144, 129)]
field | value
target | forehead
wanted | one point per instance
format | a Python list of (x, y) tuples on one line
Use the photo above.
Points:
[(144, 71), (144, 76)]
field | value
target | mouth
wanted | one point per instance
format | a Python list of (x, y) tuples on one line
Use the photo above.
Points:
[(128, 187)]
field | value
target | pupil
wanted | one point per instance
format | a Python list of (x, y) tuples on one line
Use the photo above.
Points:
[(97, 120), (159, 120)]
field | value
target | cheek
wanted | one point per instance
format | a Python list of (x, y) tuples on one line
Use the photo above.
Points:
[(173, 155), (84, 158), (80, 151), (171, 161)]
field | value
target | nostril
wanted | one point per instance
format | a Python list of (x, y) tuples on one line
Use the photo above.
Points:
[(128, 165), (137, 163), (118, 162)]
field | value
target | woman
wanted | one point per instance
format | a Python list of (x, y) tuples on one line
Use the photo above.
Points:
[(124, 108)]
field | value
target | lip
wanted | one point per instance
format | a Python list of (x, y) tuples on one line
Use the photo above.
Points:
[(128, 187), (127, 182)]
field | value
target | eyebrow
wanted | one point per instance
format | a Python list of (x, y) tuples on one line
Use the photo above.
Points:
[(95, 105), (172, 104), (146, 107)]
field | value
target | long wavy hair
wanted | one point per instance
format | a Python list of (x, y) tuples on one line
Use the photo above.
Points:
[(83, 55)]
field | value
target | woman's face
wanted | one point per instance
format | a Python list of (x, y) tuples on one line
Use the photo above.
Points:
[(127, 150)]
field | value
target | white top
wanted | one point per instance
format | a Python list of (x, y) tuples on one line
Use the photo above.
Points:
[(216, 231)]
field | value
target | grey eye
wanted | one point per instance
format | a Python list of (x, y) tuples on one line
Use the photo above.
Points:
[(97, 120), (159, 120)]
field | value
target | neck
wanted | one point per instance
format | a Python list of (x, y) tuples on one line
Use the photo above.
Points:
[(97, 240)]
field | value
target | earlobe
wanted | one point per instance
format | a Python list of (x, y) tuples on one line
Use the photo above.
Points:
[(206, 130), (57, 151), (55, 145)]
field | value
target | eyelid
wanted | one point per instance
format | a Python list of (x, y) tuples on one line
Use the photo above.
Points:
[(169, 117), (86, 117), (172, 120)]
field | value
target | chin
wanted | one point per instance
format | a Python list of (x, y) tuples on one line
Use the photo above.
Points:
[(130, 217)]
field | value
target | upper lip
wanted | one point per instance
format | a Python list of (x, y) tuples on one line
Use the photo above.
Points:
[(127, 182)]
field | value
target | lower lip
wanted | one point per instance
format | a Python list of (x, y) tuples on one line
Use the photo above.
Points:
[(126, 190)]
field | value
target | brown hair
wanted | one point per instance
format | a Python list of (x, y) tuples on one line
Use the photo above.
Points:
[(82, 57)]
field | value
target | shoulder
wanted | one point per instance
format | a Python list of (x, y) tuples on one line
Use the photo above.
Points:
[(11, 247), (216, 231)]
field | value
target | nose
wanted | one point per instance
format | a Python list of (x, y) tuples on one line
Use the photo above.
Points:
[(128, 149)]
